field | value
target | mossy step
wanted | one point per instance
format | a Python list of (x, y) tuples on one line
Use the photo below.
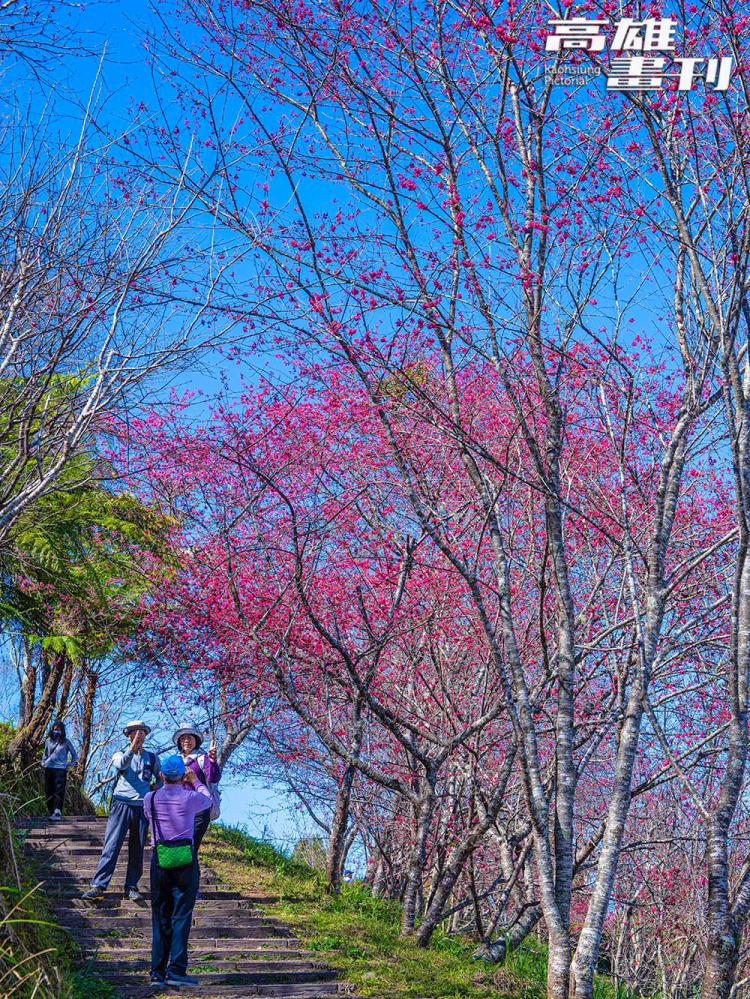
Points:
[(64, 850), (39, 827), (214, 991)]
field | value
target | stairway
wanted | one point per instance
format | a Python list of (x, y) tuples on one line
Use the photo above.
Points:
[(235, 949)]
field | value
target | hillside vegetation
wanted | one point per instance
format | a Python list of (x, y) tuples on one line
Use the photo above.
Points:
[(359, 934)]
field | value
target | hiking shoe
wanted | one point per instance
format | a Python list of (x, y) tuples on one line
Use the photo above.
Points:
[(94, 893), (133, 894), (186, 981), (157, 980), (56, 815)]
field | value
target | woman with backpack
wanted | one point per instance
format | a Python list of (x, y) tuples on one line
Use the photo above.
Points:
[(188, 740), (58, 755)]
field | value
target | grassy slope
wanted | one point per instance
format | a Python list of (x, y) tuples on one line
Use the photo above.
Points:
[(359, 934), (37, 957)]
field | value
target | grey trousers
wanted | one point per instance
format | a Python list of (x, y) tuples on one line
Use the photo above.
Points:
[(125, 818)]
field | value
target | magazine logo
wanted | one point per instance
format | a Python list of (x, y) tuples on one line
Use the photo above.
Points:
[(635, 61)]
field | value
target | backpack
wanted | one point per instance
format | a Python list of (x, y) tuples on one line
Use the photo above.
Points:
[(214, 792), (215, 800)]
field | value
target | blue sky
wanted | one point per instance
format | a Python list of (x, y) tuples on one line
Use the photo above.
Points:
[(104, 57)]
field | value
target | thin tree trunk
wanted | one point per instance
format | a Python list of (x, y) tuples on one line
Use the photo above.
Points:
[(234, 737), (378, 877), (417, 862), (64, 697), (498, 950), (725, 925), (458, 856), (337, 838), (28, 686), (723, 943), (87, 720)]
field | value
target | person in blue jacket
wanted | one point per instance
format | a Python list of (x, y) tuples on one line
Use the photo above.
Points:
[(57, 756)]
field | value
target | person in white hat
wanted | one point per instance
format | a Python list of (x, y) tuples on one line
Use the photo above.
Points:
[(188, 740), (136, 771)]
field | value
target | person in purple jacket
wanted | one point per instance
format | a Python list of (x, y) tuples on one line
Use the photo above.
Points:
[(171, 811), (188, 740)]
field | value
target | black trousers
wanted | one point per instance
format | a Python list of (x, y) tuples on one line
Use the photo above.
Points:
[(172, 899), (202, 822), (54, 787)]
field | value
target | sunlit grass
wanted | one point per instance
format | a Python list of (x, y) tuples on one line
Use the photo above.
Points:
[(359, 934)]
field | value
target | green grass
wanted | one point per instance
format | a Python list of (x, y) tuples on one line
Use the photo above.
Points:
[(359, 934)]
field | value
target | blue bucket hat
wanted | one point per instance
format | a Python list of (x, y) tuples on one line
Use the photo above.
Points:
[(173, 768)]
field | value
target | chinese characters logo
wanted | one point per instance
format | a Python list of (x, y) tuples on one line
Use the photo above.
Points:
[(641, 48)]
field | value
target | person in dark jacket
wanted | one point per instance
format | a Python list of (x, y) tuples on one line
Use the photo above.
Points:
[(171, 812), (58, 755)]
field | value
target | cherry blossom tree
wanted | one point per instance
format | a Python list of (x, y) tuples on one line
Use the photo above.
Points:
[(312, 572), (474, 221), (694, 149)]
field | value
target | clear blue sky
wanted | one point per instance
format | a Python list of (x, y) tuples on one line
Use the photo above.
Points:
[(105, 57)]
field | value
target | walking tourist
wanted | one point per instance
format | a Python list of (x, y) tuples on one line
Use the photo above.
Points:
[(136, 769), (58, 755), (188, 740), (171, 811)]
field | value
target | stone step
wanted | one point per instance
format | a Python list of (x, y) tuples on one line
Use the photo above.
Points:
[(84, 873), (40, 824), (52, 870), (69, 892), (72, 845), (258, 972), (118, 976), (197, 933), (260, 945), (89, 826), (114, 903), (128, 921), (65, 853), (225, 950), (235, 949), (72, 863), (84, 865), (63, 837), (142, 990)]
